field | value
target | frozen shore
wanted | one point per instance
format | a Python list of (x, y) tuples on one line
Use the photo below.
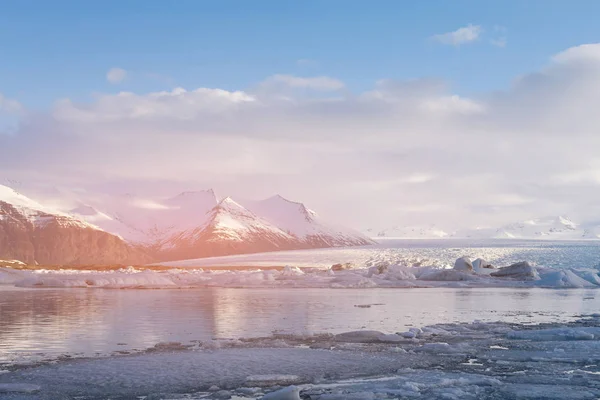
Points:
[(403, 273), (447, 361)]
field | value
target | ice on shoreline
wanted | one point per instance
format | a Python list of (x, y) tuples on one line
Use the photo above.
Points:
[(468, 360), (403, 273)]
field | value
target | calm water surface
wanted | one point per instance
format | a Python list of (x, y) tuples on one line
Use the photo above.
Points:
[(46, 323)]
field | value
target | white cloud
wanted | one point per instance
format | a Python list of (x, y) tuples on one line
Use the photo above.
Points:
[(178, 104), (586, 53), (463, 35), (321, 83), (530, 150), (116, 75), (453, 104)]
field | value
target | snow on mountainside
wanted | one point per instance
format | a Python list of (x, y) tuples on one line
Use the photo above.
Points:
[(555, 227), (548, 228), (229, 229), (149, 222), (31, 232), (34, 212), (409, 232), (194, 224), (304, 224), (230, 220)]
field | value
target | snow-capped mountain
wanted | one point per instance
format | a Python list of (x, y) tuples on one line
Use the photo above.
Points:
[(147, 221), (409, 232), (539, 228), (549, 228), (304, 224), (31, 232), (194, 224), (229, 228)]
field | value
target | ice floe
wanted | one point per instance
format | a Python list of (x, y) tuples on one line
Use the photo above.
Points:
[(407, 273), (476, 360)]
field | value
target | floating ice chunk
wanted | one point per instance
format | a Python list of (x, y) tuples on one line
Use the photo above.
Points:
[(348, 396), (480, 263), (463, 264), (436, 348), (443, 348), (291, 271), (447, 275), (520, 270), (272, 380), (19, 388), (352, 281), (412, 333), (566, 278), (366, 337), (398, 273), (288, 393), (380, 268), (554, 334)]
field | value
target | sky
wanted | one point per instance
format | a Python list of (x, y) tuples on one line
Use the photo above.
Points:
[(459, 114)]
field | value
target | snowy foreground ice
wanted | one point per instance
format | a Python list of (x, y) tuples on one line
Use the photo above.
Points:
[(448, 361)]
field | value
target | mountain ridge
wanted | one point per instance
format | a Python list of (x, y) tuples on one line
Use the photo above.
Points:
[(544, 228), (33, 233), (196, 224)]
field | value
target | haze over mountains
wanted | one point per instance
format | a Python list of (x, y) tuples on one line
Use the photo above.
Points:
[(129, 229), (547, 228)]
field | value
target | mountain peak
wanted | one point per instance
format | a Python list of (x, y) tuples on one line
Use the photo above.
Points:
[(229, 205), (284, 205), (16, 199)]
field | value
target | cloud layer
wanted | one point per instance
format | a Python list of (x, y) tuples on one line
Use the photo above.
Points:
[(406, 152)]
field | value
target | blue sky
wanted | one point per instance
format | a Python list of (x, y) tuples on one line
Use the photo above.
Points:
[(314, 100), (57, 49)]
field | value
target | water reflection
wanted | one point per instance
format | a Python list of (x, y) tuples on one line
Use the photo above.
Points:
[(87, 322)]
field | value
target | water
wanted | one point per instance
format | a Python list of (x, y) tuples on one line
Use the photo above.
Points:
[(38, 324)]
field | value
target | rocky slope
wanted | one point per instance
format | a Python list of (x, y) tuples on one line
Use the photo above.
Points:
[(32, 233)]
